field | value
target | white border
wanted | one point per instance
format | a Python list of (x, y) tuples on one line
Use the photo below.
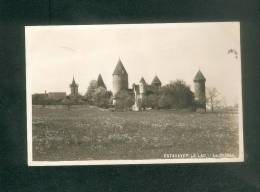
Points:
[(240, 158)]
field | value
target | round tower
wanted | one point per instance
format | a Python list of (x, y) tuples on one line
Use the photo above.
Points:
[(120, 78), (199, 89)]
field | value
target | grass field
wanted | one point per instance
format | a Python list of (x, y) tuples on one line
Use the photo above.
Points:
[(90, 133)]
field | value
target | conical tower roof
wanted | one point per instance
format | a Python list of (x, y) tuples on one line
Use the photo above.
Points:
[(73, 84), (199, 77), (120, 69), (142, 81), (156, 81), (100, 82)]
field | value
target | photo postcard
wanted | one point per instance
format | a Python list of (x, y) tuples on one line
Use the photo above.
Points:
[(134, 94)]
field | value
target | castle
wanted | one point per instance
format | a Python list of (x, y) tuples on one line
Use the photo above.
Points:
[(120, 83), (138, 91)]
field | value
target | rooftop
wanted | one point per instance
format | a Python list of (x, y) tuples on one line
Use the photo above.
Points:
[(100, 81), (120, 69), (156, 80), (73, 82), (199, 77)]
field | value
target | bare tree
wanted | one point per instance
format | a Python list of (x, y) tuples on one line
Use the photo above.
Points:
[(213, 98)]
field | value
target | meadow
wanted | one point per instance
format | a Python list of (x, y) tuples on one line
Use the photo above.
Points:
[(90, 133)]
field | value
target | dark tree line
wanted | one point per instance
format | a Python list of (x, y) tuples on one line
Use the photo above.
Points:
[(175, 95), (124, 100), (43, 99)]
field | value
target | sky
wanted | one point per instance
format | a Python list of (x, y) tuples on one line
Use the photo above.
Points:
[(54, 54)]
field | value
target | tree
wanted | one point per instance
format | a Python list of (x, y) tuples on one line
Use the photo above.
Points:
[(152, 100), (90, 91), (151, 97), (213, 98), (124, 100), (97, 95), (166, 101), (101, 97), (175, 95)]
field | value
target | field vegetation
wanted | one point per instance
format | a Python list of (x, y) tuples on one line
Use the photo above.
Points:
[(90, 133)]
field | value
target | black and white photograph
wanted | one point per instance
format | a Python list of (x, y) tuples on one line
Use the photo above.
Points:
[(134, 94)]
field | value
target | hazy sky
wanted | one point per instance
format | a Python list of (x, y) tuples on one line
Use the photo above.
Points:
[(171, 51)]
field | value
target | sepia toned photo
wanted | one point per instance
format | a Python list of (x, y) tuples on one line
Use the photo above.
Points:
[(134, 94)]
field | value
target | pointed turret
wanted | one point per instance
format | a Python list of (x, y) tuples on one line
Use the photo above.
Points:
[(199, 77), (120, 78), (120, 69), (100, 82), (156, 82), (73, 88), (73, 82)]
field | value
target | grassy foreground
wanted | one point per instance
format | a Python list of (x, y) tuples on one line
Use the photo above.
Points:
[(90, 133)]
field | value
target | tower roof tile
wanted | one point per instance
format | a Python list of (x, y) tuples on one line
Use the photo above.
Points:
[(156, 80), (199, 77), (100, 82), (73, 84), (120, 69)]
